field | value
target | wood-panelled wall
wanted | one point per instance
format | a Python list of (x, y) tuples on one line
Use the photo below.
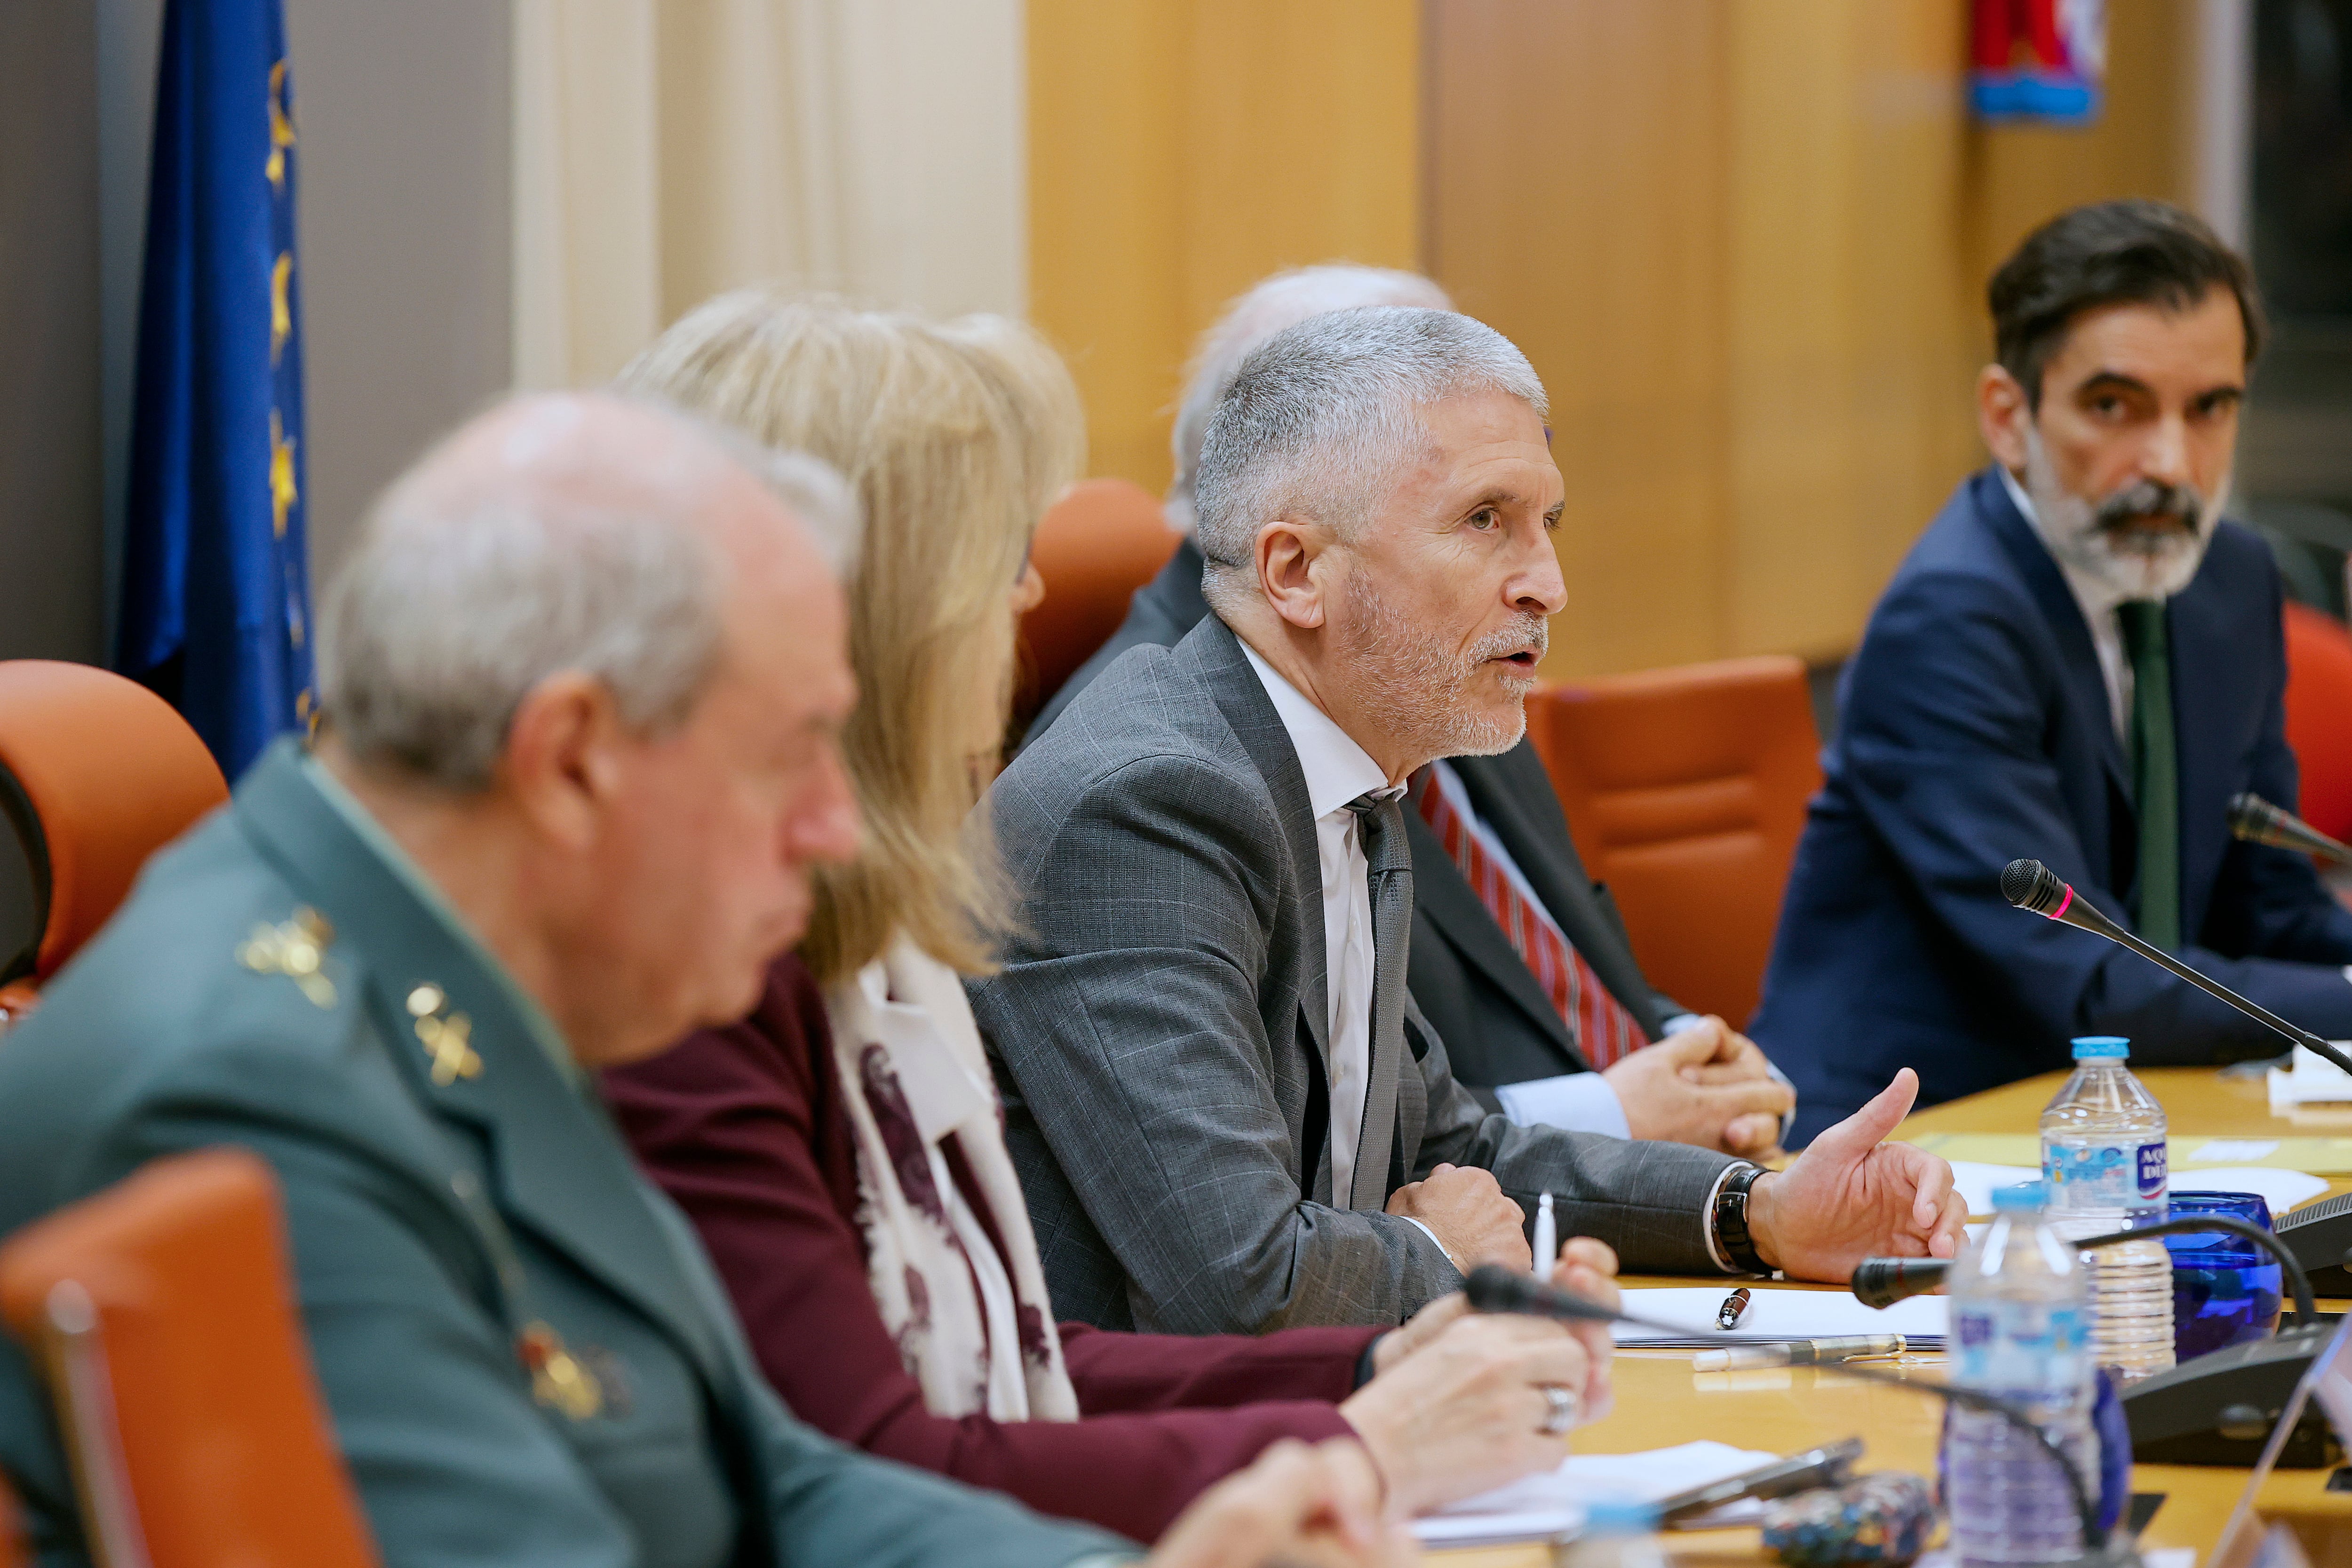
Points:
[(1744, 242), (1179, 151)]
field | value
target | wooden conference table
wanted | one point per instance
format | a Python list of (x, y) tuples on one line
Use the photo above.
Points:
[(1661, 1402)]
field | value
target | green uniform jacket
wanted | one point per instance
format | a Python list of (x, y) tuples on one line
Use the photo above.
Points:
[(435, 1225)]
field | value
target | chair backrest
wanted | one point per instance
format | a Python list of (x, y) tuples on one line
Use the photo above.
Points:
[(12, 1535), (1095, 547), (163, 1312), (97, 773), (1686, 791), (2319, 716)]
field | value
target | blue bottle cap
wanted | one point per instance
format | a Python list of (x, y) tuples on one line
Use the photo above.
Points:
[(2025, 1197), (1620, 1516), (2092, 1048)]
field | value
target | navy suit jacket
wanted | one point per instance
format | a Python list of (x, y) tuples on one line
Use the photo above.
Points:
[(1974, 730)]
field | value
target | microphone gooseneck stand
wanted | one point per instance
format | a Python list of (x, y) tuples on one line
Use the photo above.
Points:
[(1883, 1281), (1492, 1288), (2035, 888)]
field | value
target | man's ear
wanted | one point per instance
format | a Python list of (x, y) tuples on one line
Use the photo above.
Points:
[(1291, 567), (2002, 417), (561, 764)]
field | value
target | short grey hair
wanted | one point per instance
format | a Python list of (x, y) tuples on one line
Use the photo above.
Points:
[(468, 591), (1323, 415), (1282, 301)]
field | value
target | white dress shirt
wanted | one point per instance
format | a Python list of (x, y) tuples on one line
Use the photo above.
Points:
[(1337, 771), (2097, 601)]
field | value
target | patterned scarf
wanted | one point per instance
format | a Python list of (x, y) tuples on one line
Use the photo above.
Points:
[(974, 1327)]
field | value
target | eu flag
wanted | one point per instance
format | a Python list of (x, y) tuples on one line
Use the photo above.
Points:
[(216, 585)]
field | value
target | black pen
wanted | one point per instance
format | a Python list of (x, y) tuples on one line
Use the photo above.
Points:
[(1728, 1315)]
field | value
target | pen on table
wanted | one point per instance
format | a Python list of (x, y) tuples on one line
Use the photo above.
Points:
[(1547, 1247), (1728, 1315), (1799, 1352)]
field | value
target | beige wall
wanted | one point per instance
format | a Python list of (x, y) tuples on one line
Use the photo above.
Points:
[(1745, 242), (665, 152), (1179, 150)]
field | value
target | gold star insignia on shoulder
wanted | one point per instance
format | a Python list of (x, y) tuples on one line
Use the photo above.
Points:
[(557, 1378), (296, 950), (447, 1037)]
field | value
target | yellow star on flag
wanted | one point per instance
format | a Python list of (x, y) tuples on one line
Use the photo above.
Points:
[(281, 128), (282, 494), (281, 311)]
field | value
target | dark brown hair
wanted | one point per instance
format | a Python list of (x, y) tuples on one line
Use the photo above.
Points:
[(2109, 253)]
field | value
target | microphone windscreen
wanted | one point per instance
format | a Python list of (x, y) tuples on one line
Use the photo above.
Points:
[(2250, 816), (1883, 1281), (2030, 884), (1491, 1287)]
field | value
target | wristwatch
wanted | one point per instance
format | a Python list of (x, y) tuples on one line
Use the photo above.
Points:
[(1731, 1221)]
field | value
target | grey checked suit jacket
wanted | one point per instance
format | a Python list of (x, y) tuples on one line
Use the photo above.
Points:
[(1158, 1033)]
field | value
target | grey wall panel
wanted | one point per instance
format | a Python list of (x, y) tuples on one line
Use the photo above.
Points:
[(404, 115), (51, 543)]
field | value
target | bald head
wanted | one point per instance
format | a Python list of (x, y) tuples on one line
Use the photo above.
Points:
[(567, 532)]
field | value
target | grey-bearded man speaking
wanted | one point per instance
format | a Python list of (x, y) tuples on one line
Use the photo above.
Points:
[(1228, 1114), (2080, 663)]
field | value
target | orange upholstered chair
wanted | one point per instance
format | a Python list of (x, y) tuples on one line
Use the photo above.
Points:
[(97, 773), (162, 1310), (1686, 791), (11, 1537), (1095, 547), (2319, 715)]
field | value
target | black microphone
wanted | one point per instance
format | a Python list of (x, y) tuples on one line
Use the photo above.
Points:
[(2032, 886), (1883, 1281), (2257, 821), (1491, 1287)]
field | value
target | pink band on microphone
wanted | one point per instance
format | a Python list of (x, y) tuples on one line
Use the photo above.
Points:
[(2065, 903)]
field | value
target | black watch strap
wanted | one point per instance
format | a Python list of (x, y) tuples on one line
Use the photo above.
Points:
[(1731, 1231)]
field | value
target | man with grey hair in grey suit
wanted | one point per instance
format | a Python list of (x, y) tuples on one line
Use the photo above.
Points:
[(1227, 1112)]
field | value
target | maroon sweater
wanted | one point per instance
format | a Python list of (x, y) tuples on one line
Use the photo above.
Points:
[(745, 1128)]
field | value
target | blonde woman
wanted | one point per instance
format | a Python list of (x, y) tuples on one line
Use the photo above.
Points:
[(841, 1150)]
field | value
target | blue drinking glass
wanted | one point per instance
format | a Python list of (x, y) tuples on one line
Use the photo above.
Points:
[(2225, 1288)]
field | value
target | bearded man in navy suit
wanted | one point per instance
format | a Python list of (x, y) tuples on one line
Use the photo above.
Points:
[(2081, 663)]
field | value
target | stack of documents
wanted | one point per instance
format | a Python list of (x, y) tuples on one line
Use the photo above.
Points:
[(1550, 1507), (2312, 1080), (2282, 1190), (1777, 1313), (2195, 1159)]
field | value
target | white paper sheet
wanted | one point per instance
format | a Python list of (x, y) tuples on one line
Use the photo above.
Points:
[(2282, 1190), (1779, 1314), (2312, 1079), (1550, 1507)]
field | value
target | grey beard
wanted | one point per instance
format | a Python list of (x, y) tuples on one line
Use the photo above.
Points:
[(1417, 692), (2086, 535)]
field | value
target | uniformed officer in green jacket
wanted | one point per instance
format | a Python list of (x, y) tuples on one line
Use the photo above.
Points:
[(581, 685)]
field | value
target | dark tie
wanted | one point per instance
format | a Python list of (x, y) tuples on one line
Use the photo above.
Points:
[(2155, 771), (1604, 1030), (1379, 830)]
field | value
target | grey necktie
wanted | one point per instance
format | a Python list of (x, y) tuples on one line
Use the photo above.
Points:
[(1380, 830)]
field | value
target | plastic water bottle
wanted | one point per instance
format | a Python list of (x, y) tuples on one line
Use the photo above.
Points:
[(2103, 1159), (1619, 1533), (2018, 1332)]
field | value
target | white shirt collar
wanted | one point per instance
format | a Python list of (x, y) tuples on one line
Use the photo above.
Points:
[(1338, 770), (2097, 599)]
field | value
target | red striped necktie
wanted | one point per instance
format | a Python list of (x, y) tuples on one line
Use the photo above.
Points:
[(1605, 1029)]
